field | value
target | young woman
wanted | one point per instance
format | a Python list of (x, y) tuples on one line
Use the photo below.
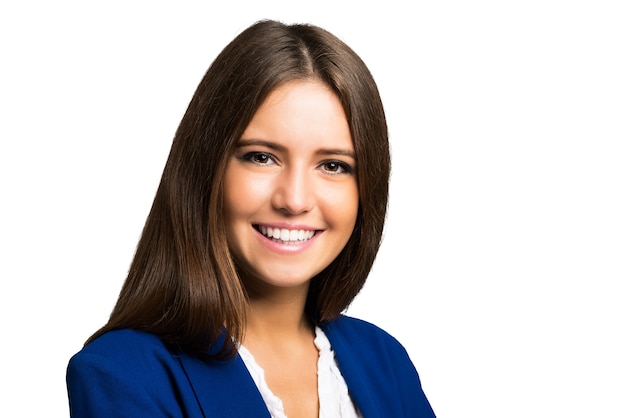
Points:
[(264, 228)]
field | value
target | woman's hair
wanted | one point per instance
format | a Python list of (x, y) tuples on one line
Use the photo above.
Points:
[(183, 284)]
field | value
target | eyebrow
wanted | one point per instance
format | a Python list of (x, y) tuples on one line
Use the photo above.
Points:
[(274, 146)]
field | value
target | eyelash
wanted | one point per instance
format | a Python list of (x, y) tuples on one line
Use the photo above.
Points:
[(345, 168), (340, 166), (250, 156)]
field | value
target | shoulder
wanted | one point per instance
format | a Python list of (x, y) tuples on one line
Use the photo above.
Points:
[(348, 323), (357, 340), (135, 354), (126, 370), (115, 338), (125, 346), (377, 368), (361, 332)]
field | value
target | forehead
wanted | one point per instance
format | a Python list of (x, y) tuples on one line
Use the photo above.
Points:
[(304, 110)]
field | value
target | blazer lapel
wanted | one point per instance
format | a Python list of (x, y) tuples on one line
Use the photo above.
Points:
[(351, 370), (224, 388)]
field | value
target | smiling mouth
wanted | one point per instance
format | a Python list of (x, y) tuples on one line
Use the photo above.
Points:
[(286, 235)]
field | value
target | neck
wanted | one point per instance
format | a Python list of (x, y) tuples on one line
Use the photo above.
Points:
[(278, 315)]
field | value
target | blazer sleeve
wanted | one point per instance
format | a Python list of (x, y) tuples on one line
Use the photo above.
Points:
[(99, 387)]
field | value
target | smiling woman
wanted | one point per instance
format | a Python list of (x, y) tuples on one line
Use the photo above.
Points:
[(264, 228)]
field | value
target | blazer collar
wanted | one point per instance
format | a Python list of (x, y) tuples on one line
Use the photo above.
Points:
[(224, 388)]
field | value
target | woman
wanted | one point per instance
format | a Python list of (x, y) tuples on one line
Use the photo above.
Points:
[(265, 225)]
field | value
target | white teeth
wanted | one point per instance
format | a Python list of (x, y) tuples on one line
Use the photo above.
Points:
[(287, 235)]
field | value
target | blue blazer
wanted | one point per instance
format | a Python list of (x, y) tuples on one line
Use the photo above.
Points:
[(127, 373)]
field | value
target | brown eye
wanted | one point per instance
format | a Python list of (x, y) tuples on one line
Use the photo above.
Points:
[(259, 158), (336, 167)]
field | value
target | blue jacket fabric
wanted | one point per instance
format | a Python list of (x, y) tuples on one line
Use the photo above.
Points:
[(128, 373)]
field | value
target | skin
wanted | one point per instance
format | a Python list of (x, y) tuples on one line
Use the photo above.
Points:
[(293, 170)]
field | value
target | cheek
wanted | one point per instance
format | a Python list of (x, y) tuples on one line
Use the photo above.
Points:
[(233, 194), (343, 204), (242, 193)]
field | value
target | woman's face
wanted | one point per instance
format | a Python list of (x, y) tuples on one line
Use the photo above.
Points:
[(290, 192)]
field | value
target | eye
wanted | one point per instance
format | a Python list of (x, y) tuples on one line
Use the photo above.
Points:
[(259, 158), (336, 167)]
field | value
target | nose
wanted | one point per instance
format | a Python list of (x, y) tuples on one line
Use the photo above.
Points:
[(294, 191)]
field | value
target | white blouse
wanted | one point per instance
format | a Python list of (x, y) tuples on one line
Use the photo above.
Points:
[(335, 401)]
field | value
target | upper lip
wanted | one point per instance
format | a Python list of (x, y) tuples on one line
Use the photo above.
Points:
[(287, 226)]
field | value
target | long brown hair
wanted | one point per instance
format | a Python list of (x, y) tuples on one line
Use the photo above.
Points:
[(182, 284)]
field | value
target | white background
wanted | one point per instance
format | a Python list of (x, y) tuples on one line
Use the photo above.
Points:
[(504, 258)]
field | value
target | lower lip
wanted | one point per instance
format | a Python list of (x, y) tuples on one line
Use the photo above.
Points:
[(292, 247)]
